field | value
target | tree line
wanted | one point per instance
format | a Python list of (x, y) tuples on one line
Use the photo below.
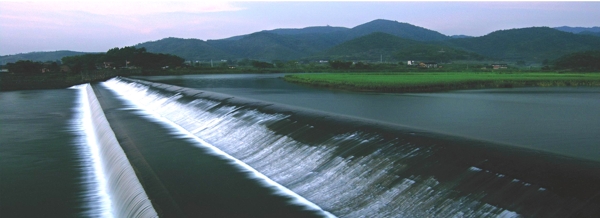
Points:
[(579, 61), (115, 58), (31, 67)]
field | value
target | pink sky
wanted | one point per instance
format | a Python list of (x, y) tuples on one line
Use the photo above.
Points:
[(96, 26)]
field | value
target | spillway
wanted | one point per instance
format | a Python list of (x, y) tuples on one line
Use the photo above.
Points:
[(113, 187), (357, 168)]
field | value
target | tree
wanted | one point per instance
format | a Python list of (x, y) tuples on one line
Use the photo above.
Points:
[(53, 67), (260, 64), (25, 67), (156, 61), (340, 65), (279, 63), (119, 57), (80, 63), (581, 61), (361, 66)]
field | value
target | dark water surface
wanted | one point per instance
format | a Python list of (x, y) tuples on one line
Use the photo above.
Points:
[(562, 120), (353, 167), (286, 150), (40, 170)]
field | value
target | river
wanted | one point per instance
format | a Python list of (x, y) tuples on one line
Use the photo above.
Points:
[(562, 120), (256, 146)]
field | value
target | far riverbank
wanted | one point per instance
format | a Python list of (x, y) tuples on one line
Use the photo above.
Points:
[(439, 82)]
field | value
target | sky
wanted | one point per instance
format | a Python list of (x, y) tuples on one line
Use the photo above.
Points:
[(96, 26)]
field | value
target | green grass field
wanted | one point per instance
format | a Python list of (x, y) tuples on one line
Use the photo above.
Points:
[(434, 82)]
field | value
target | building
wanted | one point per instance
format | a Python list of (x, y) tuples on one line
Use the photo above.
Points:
[(108, 64), (431, 64), (499, 66)]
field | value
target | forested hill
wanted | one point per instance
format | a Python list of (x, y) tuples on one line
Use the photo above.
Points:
[(309, 30), (38, 56), (190, 49), (378, 46), (535, 43), (578, 29), (285, 44), (527, 44), (403, 30), (402, 41), (341, 34)]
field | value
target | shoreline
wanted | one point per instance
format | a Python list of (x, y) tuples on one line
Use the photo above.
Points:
[(418, 83)]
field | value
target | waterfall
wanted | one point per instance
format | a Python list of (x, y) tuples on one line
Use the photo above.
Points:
[(113, 181), (353, 168)]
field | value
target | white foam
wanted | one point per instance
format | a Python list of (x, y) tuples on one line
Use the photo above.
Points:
[(299, 200), (351, 186), (98, 200), (118, 189)]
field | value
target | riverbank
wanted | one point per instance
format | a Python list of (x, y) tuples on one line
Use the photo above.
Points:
[(437, 82), (56, 80)]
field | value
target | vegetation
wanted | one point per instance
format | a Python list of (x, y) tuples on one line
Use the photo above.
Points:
[(528, 44), (55, 80), (379, 46), (579, 61), (412, 43), (38, 56), (370, 42), (84, 68), (434, 82), (122, 57), (402, 30), (30, 67)]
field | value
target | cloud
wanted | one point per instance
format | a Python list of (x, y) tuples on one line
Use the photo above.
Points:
[(120, 8), (95, 16)]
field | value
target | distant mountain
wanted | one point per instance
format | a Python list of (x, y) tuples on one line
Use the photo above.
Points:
[(590, 33), (38, 56), (285, 44), (189, 49), (578, 29), (587, 61), (309, 30), (259, 46), (402, 30), (300, 31), (267, 46), (369, 41), (460, 36), (535, 44), (377, 46)]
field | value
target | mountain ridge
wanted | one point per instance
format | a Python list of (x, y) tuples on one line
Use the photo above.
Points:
[(309, 43), (532, 43)]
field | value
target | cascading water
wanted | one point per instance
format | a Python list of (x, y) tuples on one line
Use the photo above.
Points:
[(115, 187), (356, 169)]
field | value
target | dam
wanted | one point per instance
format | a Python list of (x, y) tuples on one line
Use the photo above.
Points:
[(194, 153)]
